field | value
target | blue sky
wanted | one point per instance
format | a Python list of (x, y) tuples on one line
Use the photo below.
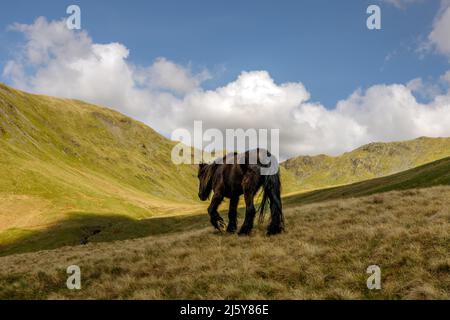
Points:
[(311, 69), (324, 44)]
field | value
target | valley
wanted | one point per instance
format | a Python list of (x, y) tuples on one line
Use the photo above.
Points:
[(84, 185)]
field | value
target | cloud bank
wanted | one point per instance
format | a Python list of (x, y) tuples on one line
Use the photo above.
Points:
[(167, 96)]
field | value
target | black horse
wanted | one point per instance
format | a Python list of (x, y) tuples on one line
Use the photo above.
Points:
[(237, 174)]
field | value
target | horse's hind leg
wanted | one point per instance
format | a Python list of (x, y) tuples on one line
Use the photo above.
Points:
[(215, 218), (276, 211), (250, 213), (276, 220), (232, 215)]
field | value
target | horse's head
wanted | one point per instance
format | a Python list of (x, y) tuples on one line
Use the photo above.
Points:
[(205, 179)]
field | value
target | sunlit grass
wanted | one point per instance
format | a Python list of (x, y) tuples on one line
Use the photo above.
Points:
[(323, 255)]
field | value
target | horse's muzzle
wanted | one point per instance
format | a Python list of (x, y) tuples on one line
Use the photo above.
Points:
[(202, 197)]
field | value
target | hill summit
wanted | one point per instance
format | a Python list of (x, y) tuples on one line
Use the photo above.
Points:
[(367, 162)]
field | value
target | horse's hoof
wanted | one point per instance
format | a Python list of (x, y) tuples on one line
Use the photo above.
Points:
[(231, 229), (274, 231), (219, 225), (244, 232)]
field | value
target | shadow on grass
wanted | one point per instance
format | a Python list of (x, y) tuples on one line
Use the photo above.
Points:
[(83, 228)]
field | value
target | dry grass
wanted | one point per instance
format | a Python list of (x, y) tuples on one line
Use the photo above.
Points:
[(323, 255)]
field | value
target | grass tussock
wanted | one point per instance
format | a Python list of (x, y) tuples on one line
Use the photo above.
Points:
[(323, 255)]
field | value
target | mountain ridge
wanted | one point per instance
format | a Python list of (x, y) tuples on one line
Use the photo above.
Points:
[(369, 161)]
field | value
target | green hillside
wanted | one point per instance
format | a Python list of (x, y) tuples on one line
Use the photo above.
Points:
[(62, 158), (367, 162), (73, 168), (432, 174)]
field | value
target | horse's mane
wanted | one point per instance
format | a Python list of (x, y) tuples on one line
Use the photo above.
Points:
[(209, 171)]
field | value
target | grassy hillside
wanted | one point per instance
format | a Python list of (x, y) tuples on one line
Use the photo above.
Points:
[(428, 175), (367, 162), (62, 159), (70, 170), (323, 255)]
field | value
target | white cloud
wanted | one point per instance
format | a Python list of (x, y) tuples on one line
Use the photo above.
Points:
[(164, 74), (167, 96), (46, 41), (69, 64), (427, 89), (391, 112), (440, 35)]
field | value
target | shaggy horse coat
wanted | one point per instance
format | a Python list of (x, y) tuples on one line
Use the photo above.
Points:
[(241, 174)]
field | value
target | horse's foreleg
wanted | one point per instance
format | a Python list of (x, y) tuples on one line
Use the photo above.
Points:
[(232, 215), (250, 213), (215, 218)]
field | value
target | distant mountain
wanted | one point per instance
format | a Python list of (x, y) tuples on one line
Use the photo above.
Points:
[(436, 173), (367, 162)]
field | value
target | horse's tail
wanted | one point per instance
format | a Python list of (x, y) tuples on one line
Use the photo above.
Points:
[(272, 194)]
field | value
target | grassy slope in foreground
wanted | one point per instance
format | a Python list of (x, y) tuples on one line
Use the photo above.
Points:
[(367, 162), (323, 255)]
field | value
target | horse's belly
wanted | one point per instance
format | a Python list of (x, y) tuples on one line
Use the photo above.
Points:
[(233, 192)]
